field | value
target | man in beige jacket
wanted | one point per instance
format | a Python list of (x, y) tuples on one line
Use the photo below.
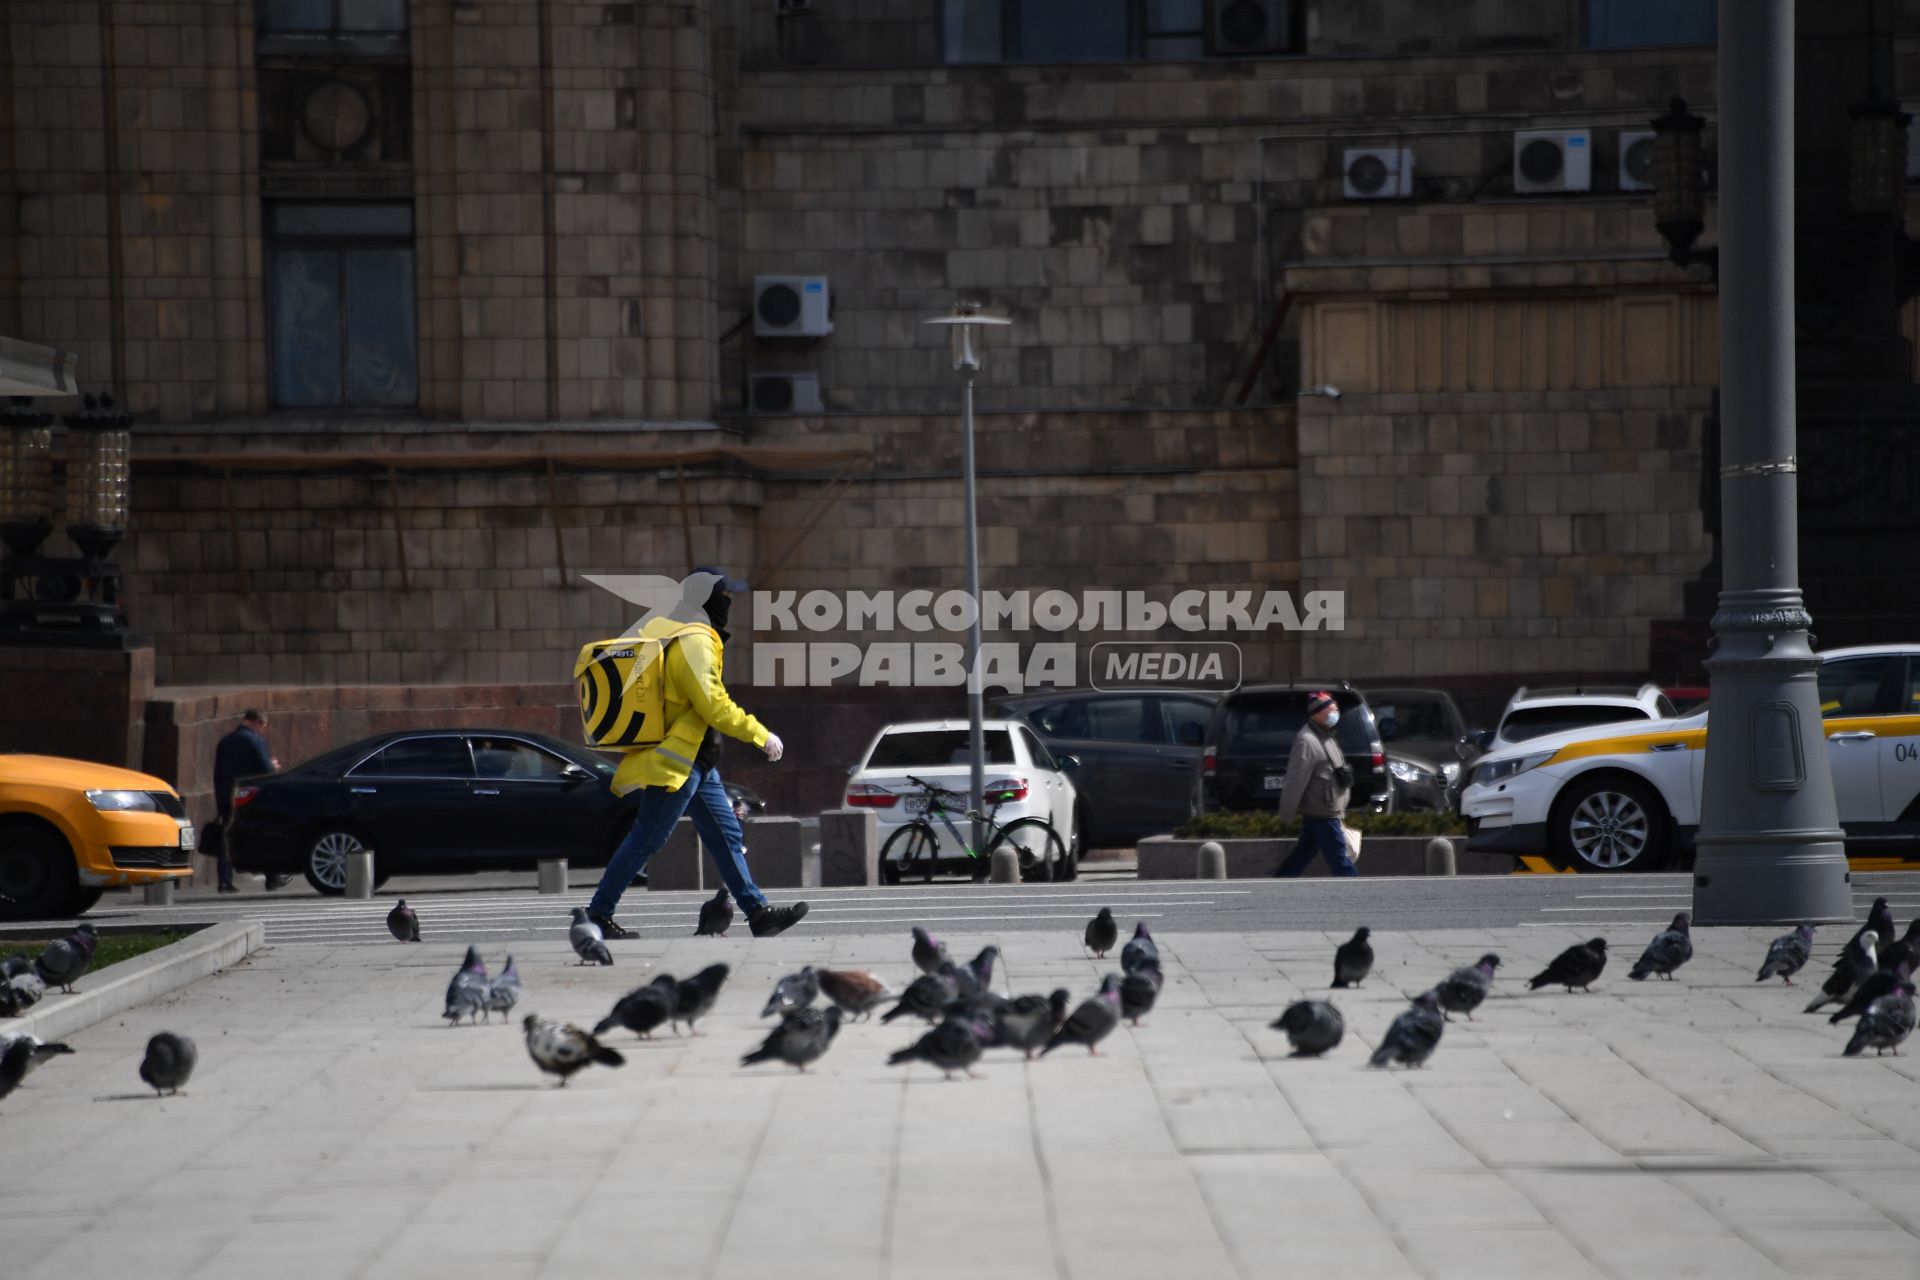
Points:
[(1318, 783)]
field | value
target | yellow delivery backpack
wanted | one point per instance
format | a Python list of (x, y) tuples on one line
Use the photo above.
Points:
[(623, 685)]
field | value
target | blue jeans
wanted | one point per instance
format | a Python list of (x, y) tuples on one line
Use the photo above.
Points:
[(1322, 836), (702, 798)]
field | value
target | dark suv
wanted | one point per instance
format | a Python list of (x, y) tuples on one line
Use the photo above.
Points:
[(1251, 736)]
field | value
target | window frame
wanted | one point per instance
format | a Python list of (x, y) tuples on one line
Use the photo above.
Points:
[(1584, 36), (1892, 670), (341, 243), (1139, 39), (428, 738)]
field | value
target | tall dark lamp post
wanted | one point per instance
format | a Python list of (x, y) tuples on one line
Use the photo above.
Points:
[(64, 600), (1770, 846)]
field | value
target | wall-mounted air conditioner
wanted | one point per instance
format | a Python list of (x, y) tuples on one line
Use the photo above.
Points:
[(1244, 28), (1551, 160), (1377, 173), (772, 394), (791, 307), (1636, 159)]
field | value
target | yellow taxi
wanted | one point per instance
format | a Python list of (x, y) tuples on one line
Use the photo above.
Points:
[(71, 829)]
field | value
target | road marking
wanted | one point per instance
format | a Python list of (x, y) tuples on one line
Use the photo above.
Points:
[(1622, 907)]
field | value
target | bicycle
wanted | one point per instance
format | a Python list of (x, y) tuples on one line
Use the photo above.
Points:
[(1043, 856)]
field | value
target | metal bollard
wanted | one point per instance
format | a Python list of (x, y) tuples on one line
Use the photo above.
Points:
[(360, 874), (1212, 862), (159, 893), (1006, 866), (553, 875), (1440, 857)]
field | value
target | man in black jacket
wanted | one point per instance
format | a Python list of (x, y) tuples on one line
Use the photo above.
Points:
[(241, 754)]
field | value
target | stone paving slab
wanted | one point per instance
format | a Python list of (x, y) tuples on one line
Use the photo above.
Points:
[(338, 1128)]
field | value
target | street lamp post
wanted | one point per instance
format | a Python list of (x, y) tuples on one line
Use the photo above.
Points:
[(1770, 846), (966, 346)]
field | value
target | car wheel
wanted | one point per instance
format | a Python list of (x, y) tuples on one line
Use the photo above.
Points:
[(37, 874), (1610, 824), (83, 900), (325, 863)]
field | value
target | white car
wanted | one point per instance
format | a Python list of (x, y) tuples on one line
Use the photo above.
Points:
[(1536, 713), (1622, 797), (915, 778)]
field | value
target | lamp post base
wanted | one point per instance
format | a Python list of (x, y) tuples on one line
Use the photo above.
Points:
[(1749, 877)]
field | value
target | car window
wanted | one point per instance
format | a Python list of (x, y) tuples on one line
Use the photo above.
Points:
[(1061, 719), (1910, 700), (1039, 753), (1266, 725), (1538, 722), (421, 758), (1664, 707), (1178, 713), (511, 758), (1420, 719), (1851, 686), (1121, 720), (925, 748)]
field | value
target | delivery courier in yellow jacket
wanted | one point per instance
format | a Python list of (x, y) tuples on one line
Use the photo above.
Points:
[(659, 696)]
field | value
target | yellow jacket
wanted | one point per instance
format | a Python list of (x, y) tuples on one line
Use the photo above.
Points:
[(695, 699)]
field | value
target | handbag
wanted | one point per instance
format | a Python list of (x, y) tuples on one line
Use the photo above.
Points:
[(1343, 777), (1352, 835)]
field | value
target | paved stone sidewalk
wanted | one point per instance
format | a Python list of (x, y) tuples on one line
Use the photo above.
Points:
[(337, 1128)]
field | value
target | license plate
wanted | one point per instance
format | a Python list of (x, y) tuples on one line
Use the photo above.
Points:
[(187, 839), (916, 804), (1275, 781)]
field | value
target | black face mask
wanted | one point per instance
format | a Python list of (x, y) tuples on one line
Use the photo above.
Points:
[(719, 605)]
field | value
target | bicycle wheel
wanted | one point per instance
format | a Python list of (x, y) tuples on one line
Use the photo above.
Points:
[(912, 845), (1043, 856)]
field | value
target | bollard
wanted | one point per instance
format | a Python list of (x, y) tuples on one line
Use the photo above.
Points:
[(159, 893), (553, 875), (1211, 864), (1006, 866), (360, 874), (1440, 856)]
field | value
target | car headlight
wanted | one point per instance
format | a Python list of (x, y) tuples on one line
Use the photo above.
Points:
[(1451, 772), (1407, 773), (123, 802), (1501, 770)]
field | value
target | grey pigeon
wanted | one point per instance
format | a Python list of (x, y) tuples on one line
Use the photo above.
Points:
[(952, 1046), (1353, 959), (1026, 1023), (22, 984), (467, 993), (929, 953), (1464, 989), (66, 959), (644, 1009), (402, 923), (560, 1049), (169, 1062), (1880, 920), (977, 975), (1905, 951), (1788, 955), (795, 991), (1878, 983), (1887, 1021), (1578, 966), (1670, 948), (1413, 1036), (855, 992), (1102, 933), (1312, 1026), (503, 992), (696, 995), (9, 1000), (926, 996), (19, 1055), (1140, 951), (716, 916), (1138, 990), (1857, 963), (588, 942), (1093, 1021), (802, 1037)]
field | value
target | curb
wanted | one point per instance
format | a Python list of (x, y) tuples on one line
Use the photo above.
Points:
[(136, 981)]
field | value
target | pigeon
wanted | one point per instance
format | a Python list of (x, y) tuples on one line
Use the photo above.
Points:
[(1464, 989), (1578, 966), (1878, 983), (1028, 1022), (1353, 960), (1414, 1035), (1139, 951), (169, 1062), (855, 992), (643, 1009), (562, 1049), (1670, 948), (976, 975), (926, 996), (952, 1046), (1857, 964), (802, 1036), (716, 916), (467, 993), (1312, 1027), (20, 1055), (696, 995), (929, 953), (1887, 1022), (588, 943), (1138, 990), (1788, 955), (66, 959), (1906, 950), (795, 991), (402, 923), (503, 993), (9, 1001), (22, 984), (1093, 1021), (1102, 933), (1880, 920)]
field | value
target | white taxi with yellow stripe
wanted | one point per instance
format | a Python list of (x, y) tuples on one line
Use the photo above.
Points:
[(1612, 798)]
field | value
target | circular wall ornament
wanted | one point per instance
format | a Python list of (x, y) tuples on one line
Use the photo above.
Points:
[(336, 116)]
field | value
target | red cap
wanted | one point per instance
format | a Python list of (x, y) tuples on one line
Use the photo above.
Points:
[(1318, 701)]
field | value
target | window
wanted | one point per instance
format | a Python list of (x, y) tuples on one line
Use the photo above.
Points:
[(1041, 758), (1629, 24), (997, 31), (1062, 720), (510, 758), (420, 758), (1537, 722), (340, 304), (1186, 719), (1173, 29), (1071, 31), (1121, 720), (1265, 725), (326, 17), (1851, 686), (927, 748), (1414, 721), (1910, 700)]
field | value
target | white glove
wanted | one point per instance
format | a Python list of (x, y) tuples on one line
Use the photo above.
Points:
[(774, 748)]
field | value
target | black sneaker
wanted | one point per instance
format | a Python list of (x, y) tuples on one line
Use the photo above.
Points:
[(609, 927), (229, 888), (768, 921)]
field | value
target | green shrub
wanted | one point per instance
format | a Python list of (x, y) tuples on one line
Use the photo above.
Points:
[(1267, 826)]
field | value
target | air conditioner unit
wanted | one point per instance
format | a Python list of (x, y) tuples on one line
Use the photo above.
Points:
[(791, 307), (1636, 159), (1376, 173), (1240, 28), (771, 394), (1552, 160)]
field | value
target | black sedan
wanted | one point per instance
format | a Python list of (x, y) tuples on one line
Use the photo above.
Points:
[(431, 801)]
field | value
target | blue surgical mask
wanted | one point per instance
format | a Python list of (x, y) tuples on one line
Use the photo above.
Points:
[(1333, 717)]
